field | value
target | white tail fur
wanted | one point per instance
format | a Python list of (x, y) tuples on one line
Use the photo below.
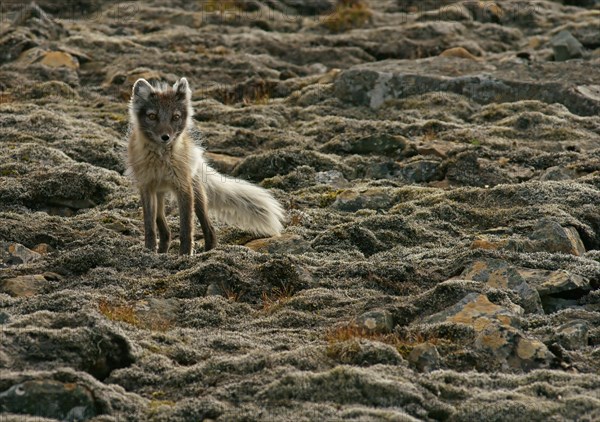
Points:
[(240, 203)]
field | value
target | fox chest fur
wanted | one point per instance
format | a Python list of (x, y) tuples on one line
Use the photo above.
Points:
[(159, 168)]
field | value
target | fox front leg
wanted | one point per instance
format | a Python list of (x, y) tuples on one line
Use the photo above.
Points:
[(149, 208), (185, 199), (200, 206), (164, 234)]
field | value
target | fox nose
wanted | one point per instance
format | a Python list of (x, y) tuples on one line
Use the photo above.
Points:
[(165, 137)]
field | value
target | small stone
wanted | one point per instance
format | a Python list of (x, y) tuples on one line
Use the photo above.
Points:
[(43, 249), (566, 46), (377, 321), (118, 226), (50, 276), (438, 149), (445, 14), (214, 290), (558, 173), (285, 243), (555, 304), (59, 59), (530, 354), (573, 335), (156, 313), (495, 272), (24, 285), (484, 243), (458, 52), (590, 91), (372, 198), (425, 357), (15, 254), (222, 162), (333, 178), (383, 144), (422, 170), (555, 238)]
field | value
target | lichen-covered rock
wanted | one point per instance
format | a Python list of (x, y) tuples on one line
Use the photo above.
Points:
[(497, 333), (15, 254), (499, 274)]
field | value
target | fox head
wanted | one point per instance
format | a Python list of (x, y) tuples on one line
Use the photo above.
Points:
[(161, 113)]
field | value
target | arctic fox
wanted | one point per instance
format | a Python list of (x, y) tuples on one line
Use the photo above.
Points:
[(163, 157)]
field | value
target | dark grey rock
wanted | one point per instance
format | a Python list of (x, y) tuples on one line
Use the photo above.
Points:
[(425, 357), (566, 46), (422, 170), (573, 335), (555, 238), (50, 399)]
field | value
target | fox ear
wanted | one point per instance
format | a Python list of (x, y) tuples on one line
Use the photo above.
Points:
[(182, 89), (142, 89)]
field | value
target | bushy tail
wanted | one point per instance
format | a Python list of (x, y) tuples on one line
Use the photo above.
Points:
[(242, 204)]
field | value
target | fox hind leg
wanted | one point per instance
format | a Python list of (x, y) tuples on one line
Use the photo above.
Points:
[(164, 234), (200, 205), (149, 209)]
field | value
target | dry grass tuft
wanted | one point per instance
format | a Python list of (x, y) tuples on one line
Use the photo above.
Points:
[(348, 14), (276, 298), (127, 313), (123, 313), (350, 333)]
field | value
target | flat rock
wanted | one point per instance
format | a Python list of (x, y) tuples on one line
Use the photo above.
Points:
[(458, 52), (353, 200), (373, 85), (223, 163), (284, 243), (59, 59), (422, 170), (24, 285), (555, 238)]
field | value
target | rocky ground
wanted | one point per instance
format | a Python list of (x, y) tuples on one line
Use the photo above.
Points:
[(439, 163)]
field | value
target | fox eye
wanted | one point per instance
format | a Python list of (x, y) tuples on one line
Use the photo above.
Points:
[(152, 116), (176, 117)]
